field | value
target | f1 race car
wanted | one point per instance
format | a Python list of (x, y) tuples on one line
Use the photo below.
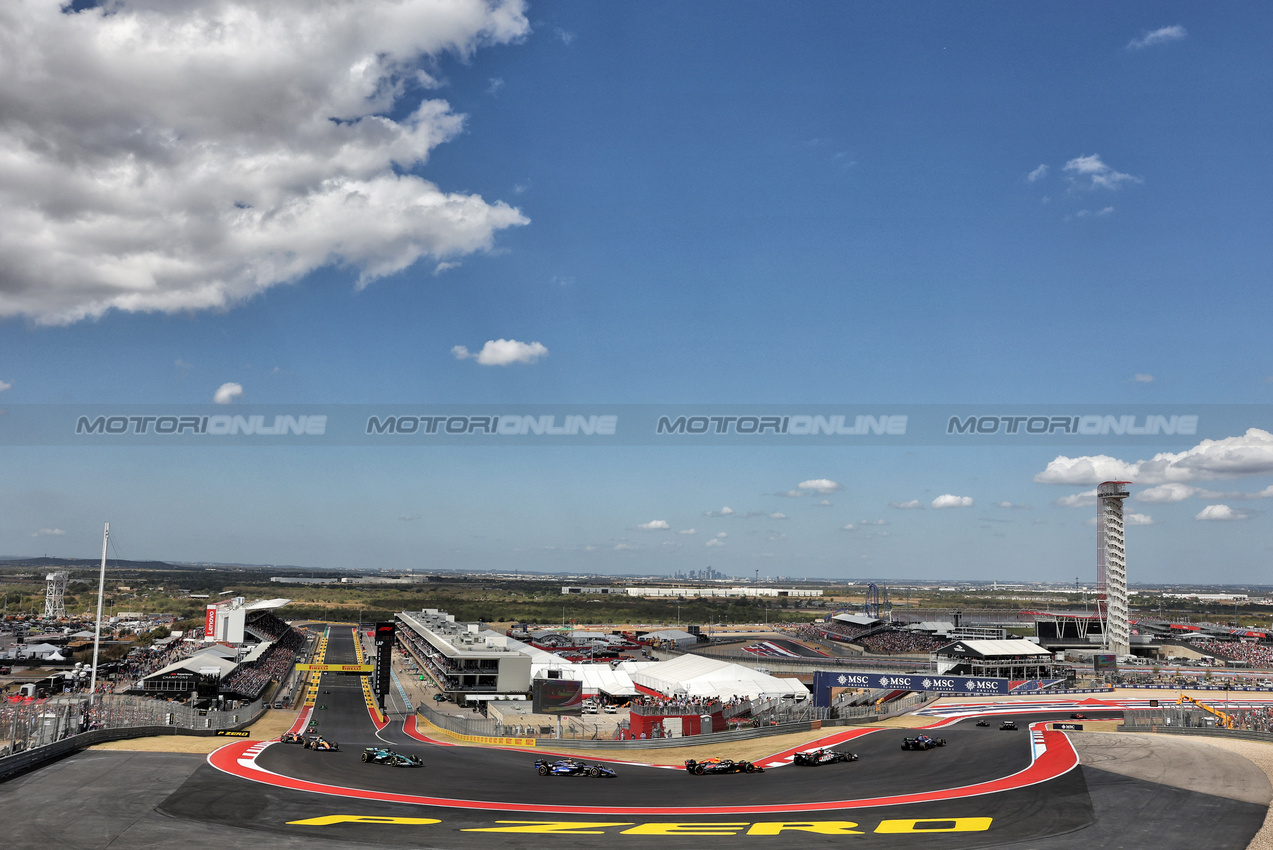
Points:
[(983, 722), (813, 758), (922, 742), (292, 738), (318, 742), (1078, 715), (383, 755), (717, 765), (572, 767), (1008, 726)]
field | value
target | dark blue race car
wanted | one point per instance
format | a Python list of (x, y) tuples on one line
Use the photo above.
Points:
[(922, 742), (572, 767)]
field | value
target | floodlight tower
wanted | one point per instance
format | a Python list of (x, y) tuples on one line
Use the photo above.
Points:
[(55, 596), (1111, 567)]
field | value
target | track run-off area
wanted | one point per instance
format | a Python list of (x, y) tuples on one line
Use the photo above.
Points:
[(1034, 787)]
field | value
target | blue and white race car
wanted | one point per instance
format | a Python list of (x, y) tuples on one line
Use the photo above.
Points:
[(572, 767)]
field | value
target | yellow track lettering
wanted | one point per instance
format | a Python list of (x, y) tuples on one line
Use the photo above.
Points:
[(328, 820), (550, 827), (935, 825), (822, 827), (686, 829)]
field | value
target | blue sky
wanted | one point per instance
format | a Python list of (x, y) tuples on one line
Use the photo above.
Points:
[(707, 203)]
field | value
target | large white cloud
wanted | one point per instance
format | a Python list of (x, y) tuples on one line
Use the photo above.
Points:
[(654, 525), (1231, 457), (503, 352), (821, 486), (1220, 513), (947, 500), (159, 156)]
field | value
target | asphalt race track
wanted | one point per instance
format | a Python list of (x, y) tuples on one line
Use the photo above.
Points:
[(1130, 791)]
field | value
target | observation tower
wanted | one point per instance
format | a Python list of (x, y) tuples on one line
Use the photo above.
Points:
[(1111, 567)]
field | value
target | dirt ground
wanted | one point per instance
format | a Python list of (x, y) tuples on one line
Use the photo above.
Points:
[(272, 724)]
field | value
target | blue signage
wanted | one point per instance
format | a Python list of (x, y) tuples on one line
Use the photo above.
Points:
[(825, 680)]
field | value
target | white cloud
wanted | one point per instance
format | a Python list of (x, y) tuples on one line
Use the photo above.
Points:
[(1037, 174), (825, 503), (688, 531), (1162, 35), (821, 486), (444, 267), (721, 534), (1077, 500), (849, 527), (906, 506), (1165, 493), (185, 156), (48, 532), (496, 84), (1142, 378), (5, 385), (1266, 493), (873, 522), (502, 352), (790, 494), (1231, 457), (715, 541), (948, 501), (1220, 513), (1012, 506), (1092, 173), (1137, 519), (725, 511), (227, 393), (624, 547), (654, 525), (777, 516)]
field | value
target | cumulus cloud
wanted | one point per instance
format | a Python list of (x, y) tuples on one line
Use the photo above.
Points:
[(1221, 513), (1137, 519), (502, 352), (725, 511), (790, 494), (907, 506), (5, 385), (688, 531), (1037, 174), (715, 541), (1077, 500), (1231, 457), (873, 522), (777, 516), (825, 503), (848, 527), (946, 500), (821, 486), (48, 532), (1091, 173), (185, 156), (1012, 506), (227, 392), (1162, 35), (1165, 493), (1142, 378), (654, 525)]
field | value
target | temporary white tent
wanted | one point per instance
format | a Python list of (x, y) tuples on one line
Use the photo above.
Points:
[(695, 676)]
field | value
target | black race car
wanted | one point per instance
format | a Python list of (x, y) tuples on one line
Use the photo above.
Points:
[(922, 742), (983, 722), (1008, 726), (1078, 715), (383, 755), (572, 767), (716, 765), (813, 758)]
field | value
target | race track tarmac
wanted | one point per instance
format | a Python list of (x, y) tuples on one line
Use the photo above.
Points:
[(1130, 791)]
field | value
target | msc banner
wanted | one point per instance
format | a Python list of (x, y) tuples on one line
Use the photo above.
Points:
[(826, 681)]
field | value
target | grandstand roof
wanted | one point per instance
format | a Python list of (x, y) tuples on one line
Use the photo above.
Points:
[(198, 662), (856, 619), (266, 604), (993, 648)]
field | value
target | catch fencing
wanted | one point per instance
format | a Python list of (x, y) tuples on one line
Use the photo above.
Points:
[(32, 732)]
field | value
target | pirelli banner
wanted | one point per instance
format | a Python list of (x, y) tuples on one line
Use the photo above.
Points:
[(337, 668), (827, 683)]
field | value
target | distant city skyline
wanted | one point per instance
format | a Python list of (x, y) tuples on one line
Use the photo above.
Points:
[(475, 204)]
